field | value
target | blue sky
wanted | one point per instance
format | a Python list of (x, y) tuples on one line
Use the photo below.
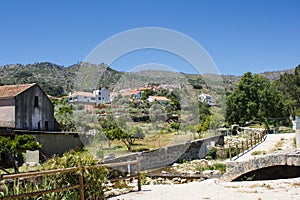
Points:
[(240, 36)]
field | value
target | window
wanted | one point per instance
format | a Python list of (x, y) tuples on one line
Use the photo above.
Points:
[(99, 93), (36, 101), (93, 98), (46, 125), (39, 126), (99, 98)]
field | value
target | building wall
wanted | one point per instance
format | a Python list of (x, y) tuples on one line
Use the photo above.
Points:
[(7, 113), (34, 110), (82, 99), (102, 96)]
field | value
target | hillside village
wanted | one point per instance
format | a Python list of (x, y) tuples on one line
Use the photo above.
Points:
[(116, 122)]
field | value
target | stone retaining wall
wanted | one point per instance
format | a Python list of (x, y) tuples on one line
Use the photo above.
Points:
[(168, 155)]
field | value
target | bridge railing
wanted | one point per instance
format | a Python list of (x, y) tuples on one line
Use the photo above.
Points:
[(243, 146)]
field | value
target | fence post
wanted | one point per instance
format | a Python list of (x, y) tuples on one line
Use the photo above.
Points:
[(229, 151), (237, 149), (243, 150), (138, 164), (251, 141), (246, 144), (81, 188)]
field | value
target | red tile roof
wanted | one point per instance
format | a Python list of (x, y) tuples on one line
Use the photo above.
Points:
[(79, 93), (10, 91), (159, 98)]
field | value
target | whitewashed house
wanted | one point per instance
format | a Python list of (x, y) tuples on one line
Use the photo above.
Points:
[(205, 98), (95, 98), (82, 97), (102, 96)]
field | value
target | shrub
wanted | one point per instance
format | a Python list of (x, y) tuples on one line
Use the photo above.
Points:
[(94, 179), (213, 153)]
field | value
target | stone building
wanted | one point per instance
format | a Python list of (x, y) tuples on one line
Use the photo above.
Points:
[(26, 107)]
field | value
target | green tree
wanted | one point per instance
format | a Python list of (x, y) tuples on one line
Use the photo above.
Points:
[(16, 146), (204, 126), (176, 126), (147, 93), (254, 99), (108, 127), (63, 114), (289, 86)]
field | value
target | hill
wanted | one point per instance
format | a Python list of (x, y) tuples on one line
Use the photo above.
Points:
[(58, 80), (54, 79)]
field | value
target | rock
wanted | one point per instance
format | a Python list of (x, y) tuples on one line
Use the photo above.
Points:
[(164, 172), (159, 179), (183, 181), (175, 165), (216, 172), (109, 184), (207, 172), (168, 182)]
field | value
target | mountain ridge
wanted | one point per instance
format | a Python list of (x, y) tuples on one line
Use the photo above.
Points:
[(58, 80)]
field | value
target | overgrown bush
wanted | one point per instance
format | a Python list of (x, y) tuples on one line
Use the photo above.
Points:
[(232, 150), (212, 153), (94, 178)]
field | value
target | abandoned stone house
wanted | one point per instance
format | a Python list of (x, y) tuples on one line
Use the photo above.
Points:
[(26, 107)]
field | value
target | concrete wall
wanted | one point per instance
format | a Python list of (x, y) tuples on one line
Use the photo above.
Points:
[(55, 143), (171, 154), (31, 117)]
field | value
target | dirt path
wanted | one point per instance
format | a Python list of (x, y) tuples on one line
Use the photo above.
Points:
[(212, 190)]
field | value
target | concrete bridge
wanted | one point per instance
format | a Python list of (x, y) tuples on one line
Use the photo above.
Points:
[(283, 164)]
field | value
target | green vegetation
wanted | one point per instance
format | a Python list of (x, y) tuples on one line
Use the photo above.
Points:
[(255, 99), (14, 147), (257, 152), (94, 178), (113, 131), (63, 113), (55, 80)]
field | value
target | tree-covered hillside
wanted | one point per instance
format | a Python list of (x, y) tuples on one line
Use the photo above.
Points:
[(58, 80), (54, 79)]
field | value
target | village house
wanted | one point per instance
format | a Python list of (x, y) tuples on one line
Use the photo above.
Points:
[(160, 99), (26, 107), (89, 98), (134, 94), (205, 98)]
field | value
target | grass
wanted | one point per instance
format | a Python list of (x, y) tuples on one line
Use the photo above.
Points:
[(294, 143), (278, 145), (258, 152), (156, 136), (22, 169)]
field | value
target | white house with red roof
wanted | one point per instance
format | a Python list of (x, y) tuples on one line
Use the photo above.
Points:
[(160, 99), (91, 98)]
